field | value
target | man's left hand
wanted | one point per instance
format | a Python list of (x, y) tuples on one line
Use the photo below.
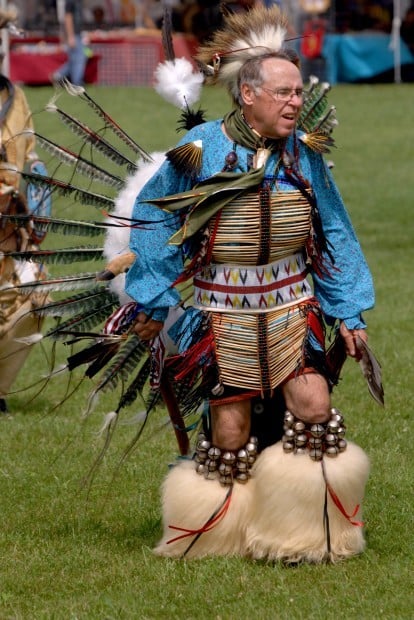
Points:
[(350, 338)]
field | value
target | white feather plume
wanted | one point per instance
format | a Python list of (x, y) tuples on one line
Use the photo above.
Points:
[(31, 339), (178, 83), (117, 238)]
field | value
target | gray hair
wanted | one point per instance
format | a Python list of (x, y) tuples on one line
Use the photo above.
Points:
[(251, 72)]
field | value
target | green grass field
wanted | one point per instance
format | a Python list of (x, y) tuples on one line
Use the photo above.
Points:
[(73, 552)]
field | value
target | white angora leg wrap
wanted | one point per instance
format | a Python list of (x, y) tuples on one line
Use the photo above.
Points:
[(288, 506), (189, 501)]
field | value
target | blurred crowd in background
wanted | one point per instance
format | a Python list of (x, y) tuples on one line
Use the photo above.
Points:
[(201, 17)]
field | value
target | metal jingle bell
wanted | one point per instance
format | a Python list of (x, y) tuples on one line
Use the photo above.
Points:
[(331, 439), (242, 466), (251, 448), (242, 455), (200, 457), (337, 418), (242, 478), (317, 430), (289, 418), (203, 445), (228, 457), (336, 413), (211, 465), (226, 481), (214, 453), (341, 431), (315, 442), (288, 446), (299, 426), (225, 470), (342, 444), (331, 451), (316, 454), (201, 468), (290, 434), (301, 451), (333, 426), (301, 440), (254, 440)]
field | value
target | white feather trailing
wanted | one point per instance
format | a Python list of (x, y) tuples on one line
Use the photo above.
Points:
[(178, 83), (57, 371), (29, 340), (117, 238), (110, 418)]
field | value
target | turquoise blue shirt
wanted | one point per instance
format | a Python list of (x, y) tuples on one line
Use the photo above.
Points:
[(343, 294)]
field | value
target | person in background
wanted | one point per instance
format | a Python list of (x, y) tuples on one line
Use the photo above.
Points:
[(74, 68), (246, 209), (16, 154), (407, 27)]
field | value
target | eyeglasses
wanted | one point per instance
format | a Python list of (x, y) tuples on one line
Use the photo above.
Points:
[(284, 94)]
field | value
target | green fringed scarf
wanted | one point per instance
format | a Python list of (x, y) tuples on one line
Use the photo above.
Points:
[(240, 131), (211, 195)]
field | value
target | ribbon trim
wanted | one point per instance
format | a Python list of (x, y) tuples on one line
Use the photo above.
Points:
[(211, 522), (339, 505)]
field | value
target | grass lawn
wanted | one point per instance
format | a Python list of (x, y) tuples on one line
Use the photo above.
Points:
[(70, 551)]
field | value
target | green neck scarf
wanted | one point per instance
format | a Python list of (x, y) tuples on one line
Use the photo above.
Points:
[(240, 131)]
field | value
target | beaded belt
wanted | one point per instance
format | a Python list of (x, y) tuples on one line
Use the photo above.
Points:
[(249, 288)]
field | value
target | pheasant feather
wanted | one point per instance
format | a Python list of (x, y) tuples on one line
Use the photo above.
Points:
[(328, 122), (55, 257), (66, 189), (96, 356), (82, 303), (314, 107), (137, 385), (91, 137), (80, 164), (81, 323), (77, 91), (123, 365), (68, 283), (65, 227)]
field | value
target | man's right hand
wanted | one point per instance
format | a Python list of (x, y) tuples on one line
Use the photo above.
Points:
[(146, 328)]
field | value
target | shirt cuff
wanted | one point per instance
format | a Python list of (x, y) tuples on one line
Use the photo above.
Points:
[(355, 322), (159, 314)]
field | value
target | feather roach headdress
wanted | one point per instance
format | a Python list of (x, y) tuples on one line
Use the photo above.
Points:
[(243, 36)]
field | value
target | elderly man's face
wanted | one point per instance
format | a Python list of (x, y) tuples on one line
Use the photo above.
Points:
[(273, 108)]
